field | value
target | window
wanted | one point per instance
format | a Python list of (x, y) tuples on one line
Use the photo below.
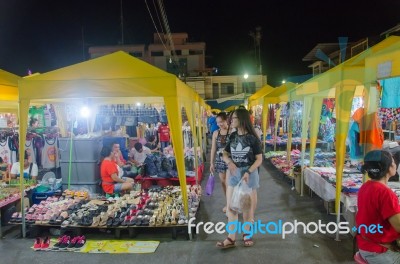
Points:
[(227, 88), (157, 53), (249, 87), (215, 87), (178, 68), (136, 54), (195, 52)]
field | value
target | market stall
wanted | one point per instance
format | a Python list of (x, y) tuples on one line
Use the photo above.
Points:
[(115, 78), (356, 76), (8, 105)]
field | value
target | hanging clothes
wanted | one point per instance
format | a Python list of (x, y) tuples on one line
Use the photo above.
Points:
[(371, 134), (390, 92), (49, 153), (5, 152), (31, 152)]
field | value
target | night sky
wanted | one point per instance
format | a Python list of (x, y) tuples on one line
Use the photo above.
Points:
[(43, 35)]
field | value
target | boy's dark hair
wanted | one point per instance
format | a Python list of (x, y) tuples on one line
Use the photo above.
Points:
[(138, 146)]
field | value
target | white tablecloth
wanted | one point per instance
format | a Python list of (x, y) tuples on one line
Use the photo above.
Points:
[(326, 190)]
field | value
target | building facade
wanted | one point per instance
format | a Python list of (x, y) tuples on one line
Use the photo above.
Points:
[(175, 54)]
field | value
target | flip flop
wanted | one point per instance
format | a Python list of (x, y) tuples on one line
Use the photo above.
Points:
[(248, 242), (231, 243)]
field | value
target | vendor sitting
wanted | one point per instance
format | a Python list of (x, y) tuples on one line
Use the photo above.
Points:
[(30, 169), (138, 154), (111, 183), (152, 144), (117, 154)]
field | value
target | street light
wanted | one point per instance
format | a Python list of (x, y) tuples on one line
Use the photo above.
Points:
[(245, 77)]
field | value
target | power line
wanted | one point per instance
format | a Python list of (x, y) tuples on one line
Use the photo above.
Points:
[(167, 29), (155, 26)]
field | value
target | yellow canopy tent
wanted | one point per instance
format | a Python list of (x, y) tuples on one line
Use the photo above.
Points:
[(114, 78), (8, 92), (351, 78), (257, 97)]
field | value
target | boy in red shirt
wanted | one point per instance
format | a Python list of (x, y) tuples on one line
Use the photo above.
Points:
[(164, 135)]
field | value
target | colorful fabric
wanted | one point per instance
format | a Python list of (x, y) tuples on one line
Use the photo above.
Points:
[(390, 92)]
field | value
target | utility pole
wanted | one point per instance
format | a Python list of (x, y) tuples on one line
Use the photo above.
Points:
[(257, 49), (122, 25)]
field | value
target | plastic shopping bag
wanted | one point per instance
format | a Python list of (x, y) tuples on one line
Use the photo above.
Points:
[(210, 184), (241, 197)]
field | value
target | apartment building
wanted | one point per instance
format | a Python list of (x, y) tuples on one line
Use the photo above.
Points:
[(188, 63)]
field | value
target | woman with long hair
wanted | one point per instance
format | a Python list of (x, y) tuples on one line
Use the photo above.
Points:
[(243, 156), (219, 140), (378, 207)]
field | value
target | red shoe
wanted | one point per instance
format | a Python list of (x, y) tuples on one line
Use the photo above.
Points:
[(81, 242), (45, 243), (38, 244)]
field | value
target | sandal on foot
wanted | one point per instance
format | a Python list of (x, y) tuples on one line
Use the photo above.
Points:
[(222, 245), (248, 242), (224, 209)]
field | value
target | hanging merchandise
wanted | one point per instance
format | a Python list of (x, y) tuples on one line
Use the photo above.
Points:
[(371, 136), (5, 152), (38, 113), (390, 92), (49, 153)]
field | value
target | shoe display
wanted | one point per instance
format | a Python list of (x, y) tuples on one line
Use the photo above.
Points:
[(73, 242), (65, 242), (60, 240), (45, 243), (81, 242), (37, 244)]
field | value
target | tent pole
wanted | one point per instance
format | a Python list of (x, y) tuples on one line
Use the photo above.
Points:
[(70, 157)]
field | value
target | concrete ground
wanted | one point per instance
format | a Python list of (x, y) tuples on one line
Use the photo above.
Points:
[(276, 201)]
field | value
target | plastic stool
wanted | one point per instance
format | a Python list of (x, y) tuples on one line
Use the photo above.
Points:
[(114, 195), (358, 259)]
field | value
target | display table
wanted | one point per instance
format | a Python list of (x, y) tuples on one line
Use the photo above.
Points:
[(11, 200), (326, 190)]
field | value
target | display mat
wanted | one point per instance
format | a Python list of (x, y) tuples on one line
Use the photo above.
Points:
[(110, 247)]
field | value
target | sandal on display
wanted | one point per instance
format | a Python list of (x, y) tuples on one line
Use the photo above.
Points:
[(223, 245), (248, 242)]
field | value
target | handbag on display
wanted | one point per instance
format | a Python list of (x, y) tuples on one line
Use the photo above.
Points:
[(210, 184)]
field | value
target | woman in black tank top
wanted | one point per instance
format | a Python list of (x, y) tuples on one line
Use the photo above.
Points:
[(219, 140)]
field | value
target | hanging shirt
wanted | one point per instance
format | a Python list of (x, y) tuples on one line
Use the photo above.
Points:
[(5, 152), (371, 134), (31, 153), (49, 153), (390, 92), (164, 133)]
